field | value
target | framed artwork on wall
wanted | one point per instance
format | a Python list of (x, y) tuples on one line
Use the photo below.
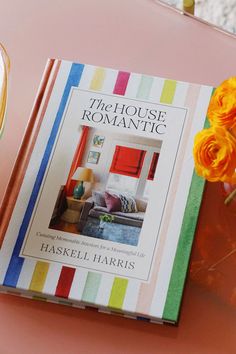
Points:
[(93, 157), (98, 141)]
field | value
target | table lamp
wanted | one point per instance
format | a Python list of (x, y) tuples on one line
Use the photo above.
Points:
[(83, 174)]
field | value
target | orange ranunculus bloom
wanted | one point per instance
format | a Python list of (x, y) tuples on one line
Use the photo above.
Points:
[(222, 107), (215, 155)]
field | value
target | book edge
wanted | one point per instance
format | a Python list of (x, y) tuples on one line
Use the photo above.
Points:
[(33, 295), (23, 155), (183, 252)]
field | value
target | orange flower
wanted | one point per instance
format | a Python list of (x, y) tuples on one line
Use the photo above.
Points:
[(222, 108), (215, 155)]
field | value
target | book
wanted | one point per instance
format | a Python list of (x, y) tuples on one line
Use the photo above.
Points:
[(102, 204)]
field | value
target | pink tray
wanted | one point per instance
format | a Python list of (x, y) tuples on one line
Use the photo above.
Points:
[(142, 36)]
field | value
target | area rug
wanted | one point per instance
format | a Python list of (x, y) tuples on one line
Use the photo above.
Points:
[(120, 233)]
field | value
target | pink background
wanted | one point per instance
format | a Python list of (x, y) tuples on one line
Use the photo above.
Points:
[(134, 35)]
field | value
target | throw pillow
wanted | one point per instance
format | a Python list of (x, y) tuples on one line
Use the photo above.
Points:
[(112, 202), (141, 205), (98, 198), (128, 204)]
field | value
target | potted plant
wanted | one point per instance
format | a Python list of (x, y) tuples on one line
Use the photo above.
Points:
[(105, 218)]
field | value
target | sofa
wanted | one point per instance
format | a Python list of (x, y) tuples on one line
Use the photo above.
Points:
[(94, 209)]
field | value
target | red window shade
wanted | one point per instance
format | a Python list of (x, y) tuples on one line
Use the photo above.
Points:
[(153, 166), (127, 161)]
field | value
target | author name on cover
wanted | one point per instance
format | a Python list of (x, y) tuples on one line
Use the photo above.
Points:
[(86, 256)]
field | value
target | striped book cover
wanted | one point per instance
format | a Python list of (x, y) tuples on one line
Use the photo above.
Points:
[(102, 204)]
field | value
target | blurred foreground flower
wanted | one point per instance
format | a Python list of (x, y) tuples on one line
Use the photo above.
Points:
[(215, 148), (222, 107), (215, 155)]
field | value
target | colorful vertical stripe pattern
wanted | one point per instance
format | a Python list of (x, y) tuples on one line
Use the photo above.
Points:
[(144, 87), (91, 287), (93, 280), (92, 283), (98, 79), (16, 262), (118, 293), (119, 284), (121, 83), (147, 291), (39, 276), (65, 282), (168, 91)]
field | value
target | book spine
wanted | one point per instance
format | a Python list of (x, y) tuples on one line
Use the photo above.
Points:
[(27, 145)]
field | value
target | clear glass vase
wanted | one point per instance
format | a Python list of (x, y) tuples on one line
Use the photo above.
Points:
[(4, 73)]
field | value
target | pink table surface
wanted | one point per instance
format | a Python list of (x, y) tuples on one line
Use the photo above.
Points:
[(134, 35)]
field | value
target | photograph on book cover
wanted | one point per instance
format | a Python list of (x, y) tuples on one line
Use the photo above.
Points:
[(107, 215), (108, 201)]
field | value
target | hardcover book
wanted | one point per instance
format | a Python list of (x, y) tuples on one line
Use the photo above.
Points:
[(102, 204)]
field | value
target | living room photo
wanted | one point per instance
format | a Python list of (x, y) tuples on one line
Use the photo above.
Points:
[(108, 186)]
